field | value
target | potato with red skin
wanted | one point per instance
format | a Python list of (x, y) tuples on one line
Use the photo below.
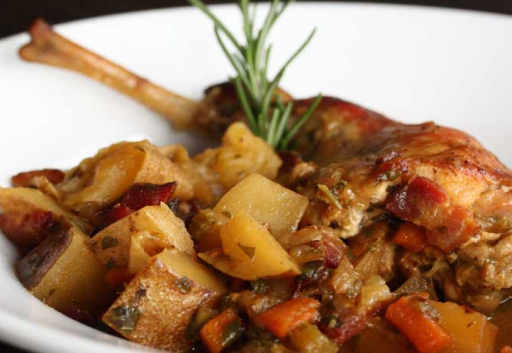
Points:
[(158, 304), (28, 217), (114, 244), (63, 273)]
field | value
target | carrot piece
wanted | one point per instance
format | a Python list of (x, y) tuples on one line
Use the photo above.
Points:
[(285, 317), (506, 349), (221, 331), (411, 237), (423, 331)]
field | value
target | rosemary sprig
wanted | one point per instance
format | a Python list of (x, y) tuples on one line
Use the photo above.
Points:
[(267, 115)]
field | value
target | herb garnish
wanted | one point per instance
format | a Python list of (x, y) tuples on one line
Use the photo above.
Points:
[(183, 285), (330, 196), (109, 242), (124, 318), (267, 114)]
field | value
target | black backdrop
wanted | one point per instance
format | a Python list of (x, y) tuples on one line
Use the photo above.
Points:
[(16, 15)]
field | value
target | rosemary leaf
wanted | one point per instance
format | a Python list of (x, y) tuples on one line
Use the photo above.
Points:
[(323, 188), (307, 114), (268, 116)]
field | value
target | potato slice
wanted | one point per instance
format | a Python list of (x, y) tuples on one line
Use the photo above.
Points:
[(241, 154), (158, 304), (249, 251), (63, 273), (268, 202), (470, 330), (151, 229), (27, 216), (100, 180)]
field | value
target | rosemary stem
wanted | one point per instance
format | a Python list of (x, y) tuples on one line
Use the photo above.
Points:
[(264, 109)]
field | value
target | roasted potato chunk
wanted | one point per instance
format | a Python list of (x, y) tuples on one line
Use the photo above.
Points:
[(268, 202), (249, 251), (470, 330), (158, 304), (100, 180), (241, 154), (139, 236), (202, 179), (28, 216), (63, 273)]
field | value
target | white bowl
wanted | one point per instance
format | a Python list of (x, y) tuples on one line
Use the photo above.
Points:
[(410, 63)]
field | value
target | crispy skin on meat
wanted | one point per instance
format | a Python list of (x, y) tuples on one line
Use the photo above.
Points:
[(436, 177)]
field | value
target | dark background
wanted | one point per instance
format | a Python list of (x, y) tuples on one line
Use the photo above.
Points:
[(16, 16)]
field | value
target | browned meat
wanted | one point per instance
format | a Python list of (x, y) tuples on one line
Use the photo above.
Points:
[(435, 177), (438, 178)]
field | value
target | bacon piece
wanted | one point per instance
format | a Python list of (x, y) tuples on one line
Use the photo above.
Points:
[(137, 197), (334, 249), (142, 195), (411, 200), (426, 204), (350, 326), (116, 213), (25, 179)]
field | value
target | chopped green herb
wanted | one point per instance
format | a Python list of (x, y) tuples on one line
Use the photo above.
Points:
[(183, 285), (141, 292), (227, 214), (231, 333), (324, 189), (312, 270), (390, 175), (201, 317), (124, 318), (109, 242), (338, 187)]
